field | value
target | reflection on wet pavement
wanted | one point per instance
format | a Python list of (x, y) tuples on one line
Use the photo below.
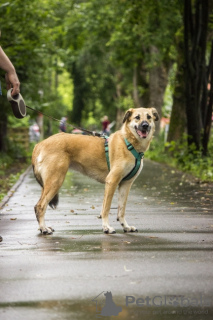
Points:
[(87, 309), (57, 276)]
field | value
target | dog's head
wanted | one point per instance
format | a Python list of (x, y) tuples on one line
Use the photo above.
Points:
[(141, 121)]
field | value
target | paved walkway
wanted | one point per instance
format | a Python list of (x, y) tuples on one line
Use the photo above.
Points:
[(162, 272)]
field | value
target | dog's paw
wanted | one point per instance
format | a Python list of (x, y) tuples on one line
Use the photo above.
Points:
[(109, 230), (130, 229), (47, 230)]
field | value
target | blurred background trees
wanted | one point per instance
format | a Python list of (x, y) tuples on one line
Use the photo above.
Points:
[(84, 59)]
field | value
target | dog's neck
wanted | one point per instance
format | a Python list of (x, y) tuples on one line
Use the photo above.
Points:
[(140, 145)]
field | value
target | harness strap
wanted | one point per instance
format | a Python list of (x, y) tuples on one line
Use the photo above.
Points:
[(138, 156), (107, 153)]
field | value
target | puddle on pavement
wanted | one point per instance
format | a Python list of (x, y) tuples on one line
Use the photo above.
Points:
[(97, 245), (89, 309)]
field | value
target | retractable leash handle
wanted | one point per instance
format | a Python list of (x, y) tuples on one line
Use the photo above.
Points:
[(17, 103)]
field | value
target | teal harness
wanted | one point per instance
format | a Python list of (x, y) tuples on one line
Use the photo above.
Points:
[(138, 156)]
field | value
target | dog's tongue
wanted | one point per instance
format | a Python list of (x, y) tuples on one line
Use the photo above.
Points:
[(142, 134)]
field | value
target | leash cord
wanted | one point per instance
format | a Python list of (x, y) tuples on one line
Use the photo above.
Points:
[(95, 134)]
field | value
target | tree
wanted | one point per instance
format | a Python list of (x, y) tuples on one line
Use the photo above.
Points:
[(143, 44), (28, 33), (124, 49), (198, 73), (177, 125)]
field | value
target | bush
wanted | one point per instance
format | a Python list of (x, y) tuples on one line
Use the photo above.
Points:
[(179, 155)]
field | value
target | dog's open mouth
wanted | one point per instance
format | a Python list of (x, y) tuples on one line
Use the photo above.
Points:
[(142, 133)]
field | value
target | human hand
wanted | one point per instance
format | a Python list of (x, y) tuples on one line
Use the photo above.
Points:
[(12, 81)]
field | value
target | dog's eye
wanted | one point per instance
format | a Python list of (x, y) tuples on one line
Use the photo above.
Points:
[(149, 117), (137, 117)]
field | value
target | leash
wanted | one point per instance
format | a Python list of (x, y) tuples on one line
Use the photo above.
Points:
[(93, 133), (19, 111)]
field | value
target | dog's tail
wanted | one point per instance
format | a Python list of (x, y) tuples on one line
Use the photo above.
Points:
[(54, 202)]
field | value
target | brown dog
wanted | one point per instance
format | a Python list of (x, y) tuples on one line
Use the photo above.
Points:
[(52, 157)]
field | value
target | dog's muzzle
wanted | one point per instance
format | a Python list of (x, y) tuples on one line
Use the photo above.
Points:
[(143, 129)]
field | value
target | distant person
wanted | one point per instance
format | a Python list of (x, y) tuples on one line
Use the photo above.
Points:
[(34, 133), (11, 77), (62, 126), (105, 125)]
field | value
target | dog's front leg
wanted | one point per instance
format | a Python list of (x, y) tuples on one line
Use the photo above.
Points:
[(124, 188), (112, 181)]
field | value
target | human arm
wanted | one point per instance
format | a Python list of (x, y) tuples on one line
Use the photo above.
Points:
[(11, 77)]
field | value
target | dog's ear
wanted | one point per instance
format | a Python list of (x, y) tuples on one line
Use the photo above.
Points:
[(155, 114), (127, 115)]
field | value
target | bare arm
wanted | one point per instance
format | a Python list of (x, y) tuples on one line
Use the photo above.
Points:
[(11, 77)]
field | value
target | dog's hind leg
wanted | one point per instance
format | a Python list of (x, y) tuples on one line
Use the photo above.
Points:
[(40, 209), (123, 190), (51, 186)]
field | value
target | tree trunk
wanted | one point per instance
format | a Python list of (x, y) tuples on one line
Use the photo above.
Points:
[(158, 79), (195, 40), (143, 84), (79, 93), (119, 118), (207, 104), (178, 116), (152, 90), (138, 102), (120, 113)]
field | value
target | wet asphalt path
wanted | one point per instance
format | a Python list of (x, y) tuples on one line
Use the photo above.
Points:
[(165, 269)]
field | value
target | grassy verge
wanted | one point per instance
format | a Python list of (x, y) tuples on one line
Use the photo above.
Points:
[(177, 155), (10, 172), (12, 165)]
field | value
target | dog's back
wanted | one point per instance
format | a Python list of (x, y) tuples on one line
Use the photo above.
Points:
[(65, 150)]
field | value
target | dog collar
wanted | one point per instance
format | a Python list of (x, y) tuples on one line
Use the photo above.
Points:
[(138, 156)]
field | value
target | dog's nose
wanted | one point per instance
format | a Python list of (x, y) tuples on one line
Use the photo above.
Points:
[(144, 125)]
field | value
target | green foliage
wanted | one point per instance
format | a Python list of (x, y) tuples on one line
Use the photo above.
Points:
[(141, 24), (125, 102), (13, 123), (189, 159), (7, 180), (157, 151), (5, 162), (65, 90), (179, 155), (30, 33), (104, 40), (76, 58)]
